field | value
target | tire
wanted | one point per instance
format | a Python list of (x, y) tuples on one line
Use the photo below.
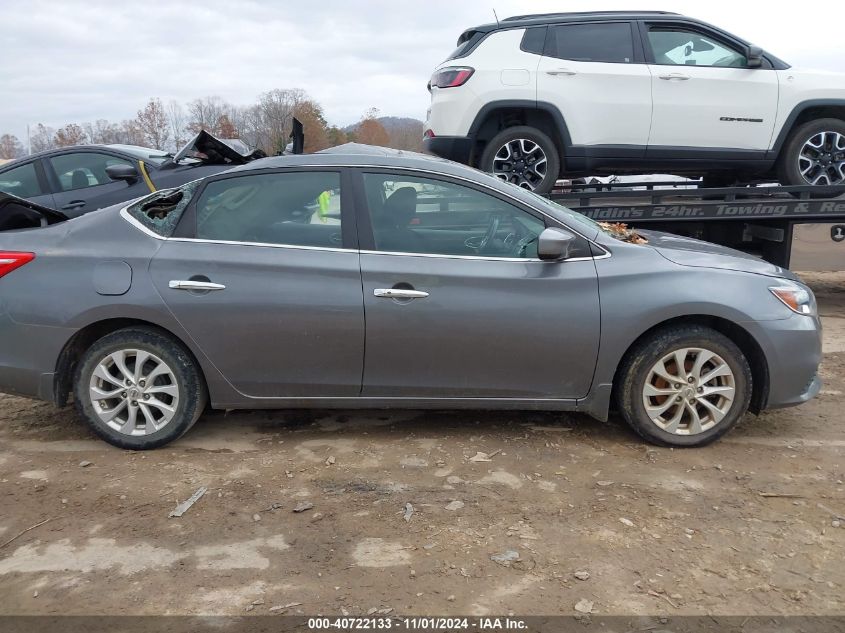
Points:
[(514, 142), (825, 130), (637, 370), (164, 409)]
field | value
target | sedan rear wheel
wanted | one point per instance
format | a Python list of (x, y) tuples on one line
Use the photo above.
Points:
[(684, 386), (137, 388)]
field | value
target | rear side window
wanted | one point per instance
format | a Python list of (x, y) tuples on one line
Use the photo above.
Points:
[(607, 42), (466, 43), (160, 212), (294, 208), (21, 181), (534, 40)]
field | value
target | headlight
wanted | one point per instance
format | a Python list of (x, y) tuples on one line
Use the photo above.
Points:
[(796, 298)]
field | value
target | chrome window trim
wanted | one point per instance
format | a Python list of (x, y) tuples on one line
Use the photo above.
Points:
[(605, 252)]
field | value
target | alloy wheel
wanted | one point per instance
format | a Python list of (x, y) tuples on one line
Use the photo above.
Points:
[(821, 160), (134, 392), (521, 162), (689, 391)]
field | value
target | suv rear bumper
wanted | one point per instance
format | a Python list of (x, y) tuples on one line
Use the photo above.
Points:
[(456, 148)]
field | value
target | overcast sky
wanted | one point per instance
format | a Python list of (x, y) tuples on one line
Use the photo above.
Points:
[(76, 61)]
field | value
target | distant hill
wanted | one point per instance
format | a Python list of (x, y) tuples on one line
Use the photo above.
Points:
[(391, 124)]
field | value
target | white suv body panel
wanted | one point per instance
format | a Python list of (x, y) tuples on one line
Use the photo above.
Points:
[(602, 103), (502, 72), (690, 105), (798, 85)]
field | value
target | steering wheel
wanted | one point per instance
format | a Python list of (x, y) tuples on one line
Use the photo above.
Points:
[(492, 229)]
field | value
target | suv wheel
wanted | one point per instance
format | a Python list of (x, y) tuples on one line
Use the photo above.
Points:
[(814, 154), (523, 156), (139, 389), (685, 386)]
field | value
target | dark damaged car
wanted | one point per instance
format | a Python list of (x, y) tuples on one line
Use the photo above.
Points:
[(83, 178)]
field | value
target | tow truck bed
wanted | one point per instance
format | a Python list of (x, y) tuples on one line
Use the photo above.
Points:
[(783, 225)]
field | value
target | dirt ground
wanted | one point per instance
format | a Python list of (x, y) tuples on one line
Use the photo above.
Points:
[(746, 526)]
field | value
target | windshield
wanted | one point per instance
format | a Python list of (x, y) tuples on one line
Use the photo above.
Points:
[(154, 156)]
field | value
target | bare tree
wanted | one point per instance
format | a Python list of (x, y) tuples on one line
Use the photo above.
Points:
[(176, 120), (10, 147), (42, 138), (205, 114), (131, 133), (406, 135), (103, 132), (70, 134), (277, 108), (153, 123)]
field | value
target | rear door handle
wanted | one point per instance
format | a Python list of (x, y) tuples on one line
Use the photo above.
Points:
[(180, 284), (399, 293), (73, 204), (677, 76), (561, 71)]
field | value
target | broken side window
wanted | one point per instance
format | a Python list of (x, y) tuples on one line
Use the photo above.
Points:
[(160, 212)]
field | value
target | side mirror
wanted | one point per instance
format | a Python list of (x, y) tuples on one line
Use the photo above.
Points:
[(554, 244), (754, 55), (122, 172)]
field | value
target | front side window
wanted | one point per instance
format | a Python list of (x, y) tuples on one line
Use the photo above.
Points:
[(679, 47), (293, 208), (85, 169), (21, 181), (422, 215), (608, 42)]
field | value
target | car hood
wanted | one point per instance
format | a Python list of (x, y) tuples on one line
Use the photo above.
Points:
[(210, 150), (17, 213), (686, 251)]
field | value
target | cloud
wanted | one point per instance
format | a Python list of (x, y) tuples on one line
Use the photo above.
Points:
[(77, 61)]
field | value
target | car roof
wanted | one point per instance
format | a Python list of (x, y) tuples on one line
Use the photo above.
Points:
[(541, 19), (357, 155), (69, 148)]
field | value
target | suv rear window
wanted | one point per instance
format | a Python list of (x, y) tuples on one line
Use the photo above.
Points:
[(606, 42)]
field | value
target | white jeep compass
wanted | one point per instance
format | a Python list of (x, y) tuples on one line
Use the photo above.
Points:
[(537, 97)]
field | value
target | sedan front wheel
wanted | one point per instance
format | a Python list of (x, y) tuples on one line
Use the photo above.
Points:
[(685, 386)]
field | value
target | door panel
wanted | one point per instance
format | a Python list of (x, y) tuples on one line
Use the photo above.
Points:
[(83, 185), (487, 329), (289, 323), (286, 317), (704, 96), (492, 320), (588, 72)]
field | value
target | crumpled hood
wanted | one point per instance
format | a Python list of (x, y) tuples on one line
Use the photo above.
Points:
[(687, 251)]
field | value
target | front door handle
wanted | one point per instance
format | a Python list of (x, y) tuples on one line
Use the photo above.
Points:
[(677, 76), (561, 71), (399, 293), (181, 284), (73, 204)]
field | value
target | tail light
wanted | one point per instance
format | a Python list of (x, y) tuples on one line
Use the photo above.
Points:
[(451, 77), (9, 261)]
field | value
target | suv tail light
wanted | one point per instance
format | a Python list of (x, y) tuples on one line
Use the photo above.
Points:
[(9, 261), (451, 77)]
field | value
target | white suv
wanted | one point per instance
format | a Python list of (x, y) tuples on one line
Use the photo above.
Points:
[(538, 97)]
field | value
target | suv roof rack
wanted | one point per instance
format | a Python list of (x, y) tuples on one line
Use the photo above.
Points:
[(540, 16)]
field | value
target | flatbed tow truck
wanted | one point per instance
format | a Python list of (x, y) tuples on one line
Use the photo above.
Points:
[(799, 227)]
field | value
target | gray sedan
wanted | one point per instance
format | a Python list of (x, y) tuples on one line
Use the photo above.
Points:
[(361, 277)]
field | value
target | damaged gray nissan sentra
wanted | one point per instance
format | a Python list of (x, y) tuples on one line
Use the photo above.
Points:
[(365, 277)]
